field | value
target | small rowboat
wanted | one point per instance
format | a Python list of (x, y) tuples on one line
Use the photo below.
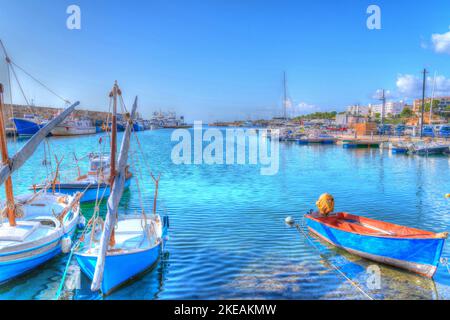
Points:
[(412, 249)]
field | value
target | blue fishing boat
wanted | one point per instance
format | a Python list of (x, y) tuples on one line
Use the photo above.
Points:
[(122, 248), (412, 249), (138, 125), (96, 183), (119, 125), (28, 125), (134, 252)]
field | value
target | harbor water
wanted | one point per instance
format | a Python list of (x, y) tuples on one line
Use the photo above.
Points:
[(227, 236)]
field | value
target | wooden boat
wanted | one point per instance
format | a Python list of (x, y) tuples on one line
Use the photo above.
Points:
[(134, 252), (74, 128), (412, 249), (97, 180), (37, 223), (128, 247)]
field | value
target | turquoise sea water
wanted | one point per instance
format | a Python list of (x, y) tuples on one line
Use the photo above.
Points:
[(228, 239)]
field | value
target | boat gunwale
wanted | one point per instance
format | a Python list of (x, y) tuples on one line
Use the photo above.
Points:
[(431, 236), (121, 253)]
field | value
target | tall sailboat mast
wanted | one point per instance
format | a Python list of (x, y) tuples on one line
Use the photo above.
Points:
[(5, 160), (284, 96), (432, 98), (115, 92)]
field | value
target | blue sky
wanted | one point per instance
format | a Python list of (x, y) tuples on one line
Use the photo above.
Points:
[(224, 59)]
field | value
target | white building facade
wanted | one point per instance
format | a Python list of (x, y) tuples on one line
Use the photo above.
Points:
[(358, 110), (391, 108)]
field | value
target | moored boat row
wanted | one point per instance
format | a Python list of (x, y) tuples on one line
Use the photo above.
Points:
[(41, 224)]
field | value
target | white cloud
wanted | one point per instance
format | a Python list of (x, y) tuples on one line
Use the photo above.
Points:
[(410, 86), (441, 42), (304, 108), (379, 93)]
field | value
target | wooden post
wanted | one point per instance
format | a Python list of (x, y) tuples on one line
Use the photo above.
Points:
[(11, 207)]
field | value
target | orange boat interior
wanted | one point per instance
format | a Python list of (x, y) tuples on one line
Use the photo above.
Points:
[(356, 224)]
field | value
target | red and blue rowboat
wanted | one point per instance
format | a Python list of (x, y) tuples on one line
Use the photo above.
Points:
[(412, 249)]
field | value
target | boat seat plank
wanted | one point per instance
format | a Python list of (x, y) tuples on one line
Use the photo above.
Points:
[(18, 233)]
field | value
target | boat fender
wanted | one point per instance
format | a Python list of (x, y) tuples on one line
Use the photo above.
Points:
[(66, 244), (325, 204), (441, 235), (81, 223)]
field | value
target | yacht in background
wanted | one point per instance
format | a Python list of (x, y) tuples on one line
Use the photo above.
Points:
[(167, 120)]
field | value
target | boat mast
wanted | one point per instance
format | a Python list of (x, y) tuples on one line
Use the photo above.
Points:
[(383, 107), (423, 101), (284, 96), (432, 98), (11, 207), (114, 93), (112, 174)]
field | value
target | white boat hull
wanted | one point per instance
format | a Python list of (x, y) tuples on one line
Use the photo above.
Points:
[(36, 238), (72, 131)]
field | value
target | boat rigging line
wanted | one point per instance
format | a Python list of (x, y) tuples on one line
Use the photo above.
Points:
[(291, 222), (12, 64)]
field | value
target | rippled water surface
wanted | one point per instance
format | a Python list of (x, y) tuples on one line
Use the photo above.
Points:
[(227, 233)]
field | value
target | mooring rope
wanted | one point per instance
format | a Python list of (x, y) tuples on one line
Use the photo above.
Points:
[(339, 271)]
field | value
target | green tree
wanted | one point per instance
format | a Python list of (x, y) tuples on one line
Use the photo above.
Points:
[(406, 113)]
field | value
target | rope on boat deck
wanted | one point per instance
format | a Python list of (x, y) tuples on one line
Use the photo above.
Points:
[(339, 271)]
